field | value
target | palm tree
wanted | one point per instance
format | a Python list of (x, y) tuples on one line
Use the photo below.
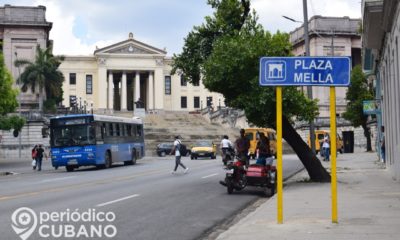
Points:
[(44, 73)]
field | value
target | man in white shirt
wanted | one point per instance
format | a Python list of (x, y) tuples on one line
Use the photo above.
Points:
[(176, 148), (225, 145)]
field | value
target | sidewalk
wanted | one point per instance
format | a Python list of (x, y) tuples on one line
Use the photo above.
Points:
[(368, 206)]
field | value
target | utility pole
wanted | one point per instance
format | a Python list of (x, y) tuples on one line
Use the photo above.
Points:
[(19, 105), (309, 88)]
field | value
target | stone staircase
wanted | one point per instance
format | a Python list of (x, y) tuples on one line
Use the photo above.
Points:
[(191, 127)]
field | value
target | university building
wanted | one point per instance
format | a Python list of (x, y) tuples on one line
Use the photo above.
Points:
[(131, 74)]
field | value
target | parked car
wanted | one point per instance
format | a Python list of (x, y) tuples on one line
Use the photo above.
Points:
[(164, 149), (203, 148)]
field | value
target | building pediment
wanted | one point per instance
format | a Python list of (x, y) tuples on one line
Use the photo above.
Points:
[(130, 46)]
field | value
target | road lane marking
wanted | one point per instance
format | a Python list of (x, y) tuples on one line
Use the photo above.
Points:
[(56, 179), (211, 175), (90, 183), (117, 200)]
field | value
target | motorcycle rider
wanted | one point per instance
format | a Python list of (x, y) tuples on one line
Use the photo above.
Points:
[(226, 145), (242, 147)]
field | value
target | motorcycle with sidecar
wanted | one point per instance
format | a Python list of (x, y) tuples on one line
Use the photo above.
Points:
[(238, 176)]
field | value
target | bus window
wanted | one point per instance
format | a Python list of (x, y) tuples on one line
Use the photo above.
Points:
[(110, 129), (99, 132), (118, 131), (124, 130), (129, 129), (133, 130), (139, 130)]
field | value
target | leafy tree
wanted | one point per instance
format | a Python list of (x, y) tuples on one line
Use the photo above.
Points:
[(356, 94), (225, 51), (44, 73), (8, 100)]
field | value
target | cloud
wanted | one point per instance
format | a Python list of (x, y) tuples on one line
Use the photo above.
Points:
[(79, 26)]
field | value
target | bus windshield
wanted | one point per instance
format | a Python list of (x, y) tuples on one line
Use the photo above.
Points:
[(73, 135)]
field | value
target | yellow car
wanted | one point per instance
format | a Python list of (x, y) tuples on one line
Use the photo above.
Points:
[(204, 148)]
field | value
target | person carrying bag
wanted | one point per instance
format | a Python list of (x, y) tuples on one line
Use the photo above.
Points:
[(34, 155)]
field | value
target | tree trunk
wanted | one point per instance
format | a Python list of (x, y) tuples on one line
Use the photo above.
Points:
[(310, 161), (367, 135)]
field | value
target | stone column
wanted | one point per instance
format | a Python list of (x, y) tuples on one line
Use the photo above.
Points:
[(137, 86), (151, 91), (123, 92), (110, 91)]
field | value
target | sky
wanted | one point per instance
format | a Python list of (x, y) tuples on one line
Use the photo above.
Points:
[(81, 25)]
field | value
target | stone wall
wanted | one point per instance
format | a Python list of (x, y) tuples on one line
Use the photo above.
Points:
[(30, 135)]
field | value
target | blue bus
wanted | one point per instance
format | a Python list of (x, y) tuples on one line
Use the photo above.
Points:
[(95, 140)]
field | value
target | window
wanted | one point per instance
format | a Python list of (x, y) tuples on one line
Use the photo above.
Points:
[(139, 130), (209, 102), (129, 129), (110, 129), (167, 85), (118, 129), (196, 102), (89, 84), (183, 80), (72, 78), (196, 83), (183, 102)]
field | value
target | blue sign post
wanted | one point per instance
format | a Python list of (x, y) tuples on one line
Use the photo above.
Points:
[(305, 71)]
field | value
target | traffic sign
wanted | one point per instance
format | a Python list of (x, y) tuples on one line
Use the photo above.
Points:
[(305, 71)]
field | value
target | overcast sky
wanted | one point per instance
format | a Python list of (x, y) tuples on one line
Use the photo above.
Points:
[(81, 25)]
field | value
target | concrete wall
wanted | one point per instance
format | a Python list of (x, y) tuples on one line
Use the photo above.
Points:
[(30, 135)]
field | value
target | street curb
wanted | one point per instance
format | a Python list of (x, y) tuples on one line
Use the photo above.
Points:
[(224, 225)]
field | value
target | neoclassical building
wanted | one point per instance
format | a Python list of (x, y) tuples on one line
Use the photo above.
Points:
[(116, 77)]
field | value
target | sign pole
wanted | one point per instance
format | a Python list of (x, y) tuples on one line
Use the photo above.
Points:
[(279, 152), (333, 154)]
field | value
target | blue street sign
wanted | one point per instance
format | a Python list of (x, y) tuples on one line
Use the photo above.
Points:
[(305, 71)]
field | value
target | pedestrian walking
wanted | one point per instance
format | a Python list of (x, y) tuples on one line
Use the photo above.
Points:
[(34, 154), (326, 147), (39, 157), (176, 148)]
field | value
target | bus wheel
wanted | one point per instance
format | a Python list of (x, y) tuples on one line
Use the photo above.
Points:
[(69, 168), (108, 161), (133, 160)]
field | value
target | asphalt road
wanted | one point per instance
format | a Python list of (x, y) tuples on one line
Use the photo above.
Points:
[(144, 201)]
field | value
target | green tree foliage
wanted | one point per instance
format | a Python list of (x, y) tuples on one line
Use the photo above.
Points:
[(8, 100), (225, 51), (356, 94), (44, 74)]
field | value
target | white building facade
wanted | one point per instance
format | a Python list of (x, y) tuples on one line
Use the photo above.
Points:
[(381, 39), (131, 74)]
